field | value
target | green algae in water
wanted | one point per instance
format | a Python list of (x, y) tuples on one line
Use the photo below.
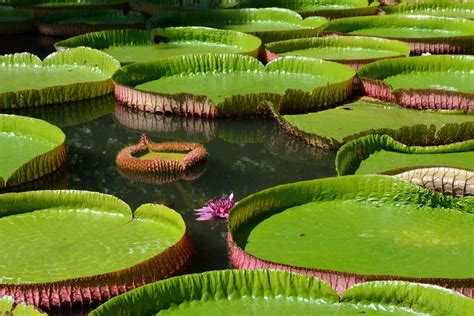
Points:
[(218, 86), (366, 238)]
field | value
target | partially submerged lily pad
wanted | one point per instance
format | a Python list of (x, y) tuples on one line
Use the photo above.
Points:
[(129, 46), (31, 148), (15, 21), (266, 292), (9, 307), (231, 85), (86, 248), (331, 9), (160, 158), (353, 51), (442, 8), (365, 117), (424, 82), (271, 24), (75, 22), (383, 154), (436, 35), (336, 229), (72, 75)]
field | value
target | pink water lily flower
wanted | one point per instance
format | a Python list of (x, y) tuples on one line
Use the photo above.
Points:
[(216, 208)]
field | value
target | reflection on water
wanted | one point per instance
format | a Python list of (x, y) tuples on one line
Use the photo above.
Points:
[(245, 156)]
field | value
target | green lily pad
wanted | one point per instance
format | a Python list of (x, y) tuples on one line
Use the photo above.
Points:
[(330, 9), (382, 154), (365, 117), (151, 7), (271, 24), (266, 292), (31, 148), (130, 46), (15, 21), (337, 228), (348, 50), (8, 307), (443, 8), (74, 22), (90, 242), (73, 75), (424, 33), (433, 82), (231, 85)]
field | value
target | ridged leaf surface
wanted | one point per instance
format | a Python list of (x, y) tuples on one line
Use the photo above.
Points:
[(72, 75), (382, 154), (271, 24), (129, 46), (367, 225), (340, 48), (264, 292)]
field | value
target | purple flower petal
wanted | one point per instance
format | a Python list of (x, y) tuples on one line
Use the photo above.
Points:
[(217, 207)]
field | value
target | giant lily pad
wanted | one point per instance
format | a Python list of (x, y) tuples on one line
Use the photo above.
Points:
[(426, 82), (442, 8), (240, 292), (31, 148), (364, 117), (76, 74), (330, 9), (231, 85), (85, 247), (353, 51), (350, 229), (15, 21), (151, 7), (8, 307), (424, 33), (272, 24), (129, 46), (74, 22), (382, 154)]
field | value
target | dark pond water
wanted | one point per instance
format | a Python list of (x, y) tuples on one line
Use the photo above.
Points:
[(246, 156)]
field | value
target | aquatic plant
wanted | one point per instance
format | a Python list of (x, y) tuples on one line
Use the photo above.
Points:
[(264, 292), (216, 208)]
